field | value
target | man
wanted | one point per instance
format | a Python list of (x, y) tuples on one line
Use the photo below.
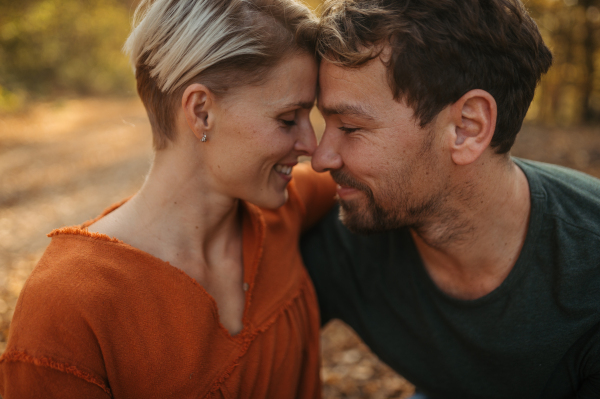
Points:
[(481, 278)]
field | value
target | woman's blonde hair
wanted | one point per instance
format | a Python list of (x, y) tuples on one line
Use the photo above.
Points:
[(220, 43)]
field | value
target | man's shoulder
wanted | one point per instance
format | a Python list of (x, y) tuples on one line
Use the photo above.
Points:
[(567, 195), (561, 176)]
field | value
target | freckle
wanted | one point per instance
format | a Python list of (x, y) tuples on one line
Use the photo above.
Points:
[(175, 202), (196, 227)]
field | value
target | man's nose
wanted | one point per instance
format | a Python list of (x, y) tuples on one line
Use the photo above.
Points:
[(326, 156)]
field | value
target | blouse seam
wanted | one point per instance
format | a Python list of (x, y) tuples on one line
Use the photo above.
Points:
[(24, 357), (78, 231), (249, 337)]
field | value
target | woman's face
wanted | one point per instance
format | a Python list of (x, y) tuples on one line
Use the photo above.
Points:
[(260, 131)]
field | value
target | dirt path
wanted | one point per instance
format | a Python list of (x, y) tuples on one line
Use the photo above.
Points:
[(62, 164)]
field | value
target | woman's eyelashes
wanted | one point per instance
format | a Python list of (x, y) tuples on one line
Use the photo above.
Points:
[(288, 119), (288, 123)]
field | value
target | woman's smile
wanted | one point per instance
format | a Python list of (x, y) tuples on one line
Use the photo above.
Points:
[(248, 157), (285, 171)]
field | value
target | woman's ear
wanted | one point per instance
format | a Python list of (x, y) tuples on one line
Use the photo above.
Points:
[(474, 119), (198, 107)]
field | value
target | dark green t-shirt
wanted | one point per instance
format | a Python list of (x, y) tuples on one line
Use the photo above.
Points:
[(535, 336)]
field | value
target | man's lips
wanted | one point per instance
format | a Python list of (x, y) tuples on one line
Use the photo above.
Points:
[(347, 186), (345, 192)]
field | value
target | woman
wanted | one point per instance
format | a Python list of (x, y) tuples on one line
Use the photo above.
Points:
[(192, 288)]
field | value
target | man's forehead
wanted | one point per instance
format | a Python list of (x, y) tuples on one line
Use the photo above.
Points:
[(372, 73), (356, 91)]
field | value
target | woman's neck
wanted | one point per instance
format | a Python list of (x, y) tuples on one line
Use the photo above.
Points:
[(178, 216)]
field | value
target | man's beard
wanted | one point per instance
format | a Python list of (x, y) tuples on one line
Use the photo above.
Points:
[(372, 217)]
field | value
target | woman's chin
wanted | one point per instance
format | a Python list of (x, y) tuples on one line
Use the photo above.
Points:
[(274, 201)]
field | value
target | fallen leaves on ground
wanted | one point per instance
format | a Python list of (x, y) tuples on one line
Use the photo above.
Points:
[(63, 163)]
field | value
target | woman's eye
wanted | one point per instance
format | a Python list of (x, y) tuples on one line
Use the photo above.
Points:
[(288, 123)]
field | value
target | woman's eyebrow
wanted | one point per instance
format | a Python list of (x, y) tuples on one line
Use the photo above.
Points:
[(300, 104)]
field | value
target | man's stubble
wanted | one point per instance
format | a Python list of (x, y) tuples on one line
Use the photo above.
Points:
[(395, 206)]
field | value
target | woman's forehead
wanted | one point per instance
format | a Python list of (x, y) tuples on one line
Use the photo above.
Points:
[(291, 85)]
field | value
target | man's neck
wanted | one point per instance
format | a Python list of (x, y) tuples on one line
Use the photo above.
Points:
[(471, 253)]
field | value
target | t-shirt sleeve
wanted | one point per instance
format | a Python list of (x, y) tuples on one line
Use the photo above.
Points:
[(577, 375), (588, 364), (316, 191), (590, 388)]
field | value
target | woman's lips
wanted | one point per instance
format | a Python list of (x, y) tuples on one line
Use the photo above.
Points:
[(285, 177), (284, 171)]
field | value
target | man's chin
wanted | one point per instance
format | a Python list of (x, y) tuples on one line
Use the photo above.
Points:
[(357, 220), (368, 219)]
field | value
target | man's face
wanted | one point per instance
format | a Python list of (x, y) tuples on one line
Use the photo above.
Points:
[(391, 172)]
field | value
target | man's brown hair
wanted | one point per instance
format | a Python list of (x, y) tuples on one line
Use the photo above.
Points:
[(440, 50)]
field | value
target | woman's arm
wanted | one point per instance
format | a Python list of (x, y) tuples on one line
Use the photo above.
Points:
[(24, 380)]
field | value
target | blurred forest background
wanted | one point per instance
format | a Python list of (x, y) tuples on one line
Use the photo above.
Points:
[(64, 48), (74, 138)]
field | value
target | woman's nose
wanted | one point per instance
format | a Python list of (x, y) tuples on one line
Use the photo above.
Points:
[(307, 141)]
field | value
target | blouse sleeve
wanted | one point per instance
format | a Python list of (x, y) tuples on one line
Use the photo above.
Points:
[(316, 192), (25, 380), (52, 347)]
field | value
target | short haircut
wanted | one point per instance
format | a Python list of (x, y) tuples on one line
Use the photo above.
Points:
[(440, 50), (223, 44)]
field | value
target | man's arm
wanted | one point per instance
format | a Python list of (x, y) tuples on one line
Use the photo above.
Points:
[(577, 376)]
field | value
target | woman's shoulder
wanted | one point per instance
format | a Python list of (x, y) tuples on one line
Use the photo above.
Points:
[(310, 184), (76, 256), (84, 272), (314, 191), (88, 287), (59, 307), (76, 272)]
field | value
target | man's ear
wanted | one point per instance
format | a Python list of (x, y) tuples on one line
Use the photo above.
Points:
[(198, 104), (474, 119)]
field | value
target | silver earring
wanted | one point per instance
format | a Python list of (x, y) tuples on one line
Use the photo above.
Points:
[(204, 138)]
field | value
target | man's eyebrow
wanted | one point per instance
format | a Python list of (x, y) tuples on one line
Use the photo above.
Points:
[(345, 109)]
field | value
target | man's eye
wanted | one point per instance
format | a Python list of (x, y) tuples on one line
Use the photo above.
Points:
[(348, 129)]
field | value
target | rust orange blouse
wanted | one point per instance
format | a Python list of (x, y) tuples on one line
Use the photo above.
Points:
[(98, 318)]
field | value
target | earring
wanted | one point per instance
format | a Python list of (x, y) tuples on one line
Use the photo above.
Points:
[(204, 138)]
